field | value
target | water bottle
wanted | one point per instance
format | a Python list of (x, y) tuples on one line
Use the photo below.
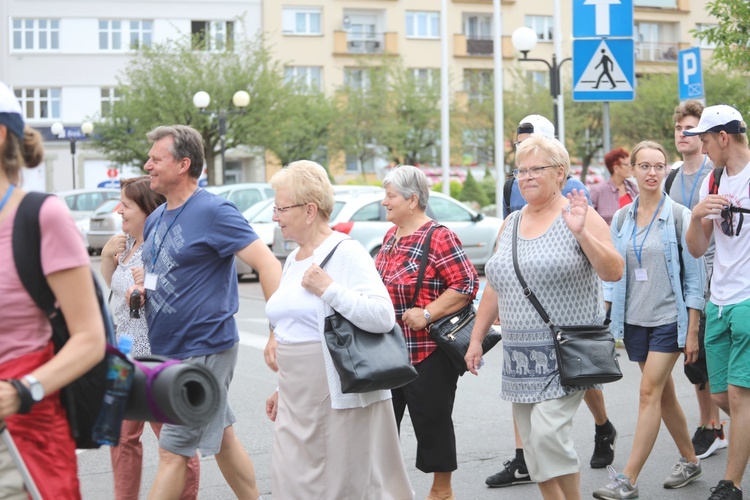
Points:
[(119, 379)]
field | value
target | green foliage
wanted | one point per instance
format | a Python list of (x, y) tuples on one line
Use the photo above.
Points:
[(455, 188), (731, 35), (489, 185), (472, 191)]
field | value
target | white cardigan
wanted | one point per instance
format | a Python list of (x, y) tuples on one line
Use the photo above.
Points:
[(358, 293)]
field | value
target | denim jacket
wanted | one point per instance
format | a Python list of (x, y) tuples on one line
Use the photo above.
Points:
[(694, 273)]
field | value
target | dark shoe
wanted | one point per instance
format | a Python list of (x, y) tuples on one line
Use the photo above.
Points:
[(515, 472), (707, 441), (604, 450), (725, 490)]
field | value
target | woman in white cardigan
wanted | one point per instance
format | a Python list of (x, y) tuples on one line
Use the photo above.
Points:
[(326, 444)]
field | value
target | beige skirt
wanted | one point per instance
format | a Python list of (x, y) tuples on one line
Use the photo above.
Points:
[(324, 454)]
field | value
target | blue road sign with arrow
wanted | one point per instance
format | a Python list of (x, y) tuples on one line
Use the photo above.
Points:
[(602, 18)]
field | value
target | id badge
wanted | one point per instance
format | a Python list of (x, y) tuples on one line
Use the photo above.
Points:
[(149, 283), (641, 274)]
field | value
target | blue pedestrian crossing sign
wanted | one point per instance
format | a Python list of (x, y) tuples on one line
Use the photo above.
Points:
[(602, 18), (690, 74), (603, 70)]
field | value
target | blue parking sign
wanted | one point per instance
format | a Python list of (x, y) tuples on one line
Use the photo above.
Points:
[(690, 74), (602, 18)]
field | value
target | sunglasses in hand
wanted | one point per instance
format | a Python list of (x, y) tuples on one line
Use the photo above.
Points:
[(727, 220)]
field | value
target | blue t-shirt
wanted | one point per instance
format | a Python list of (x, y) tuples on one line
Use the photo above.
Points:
[(517, 202), (191, 250)]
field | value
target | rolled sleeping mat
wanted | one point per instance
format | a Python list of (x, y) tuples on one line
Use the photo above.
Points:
[(173, 392)]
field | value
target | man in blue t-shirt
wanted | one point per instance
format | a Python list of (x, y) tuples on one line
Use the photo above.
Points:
[(515, 471), (191, 296)]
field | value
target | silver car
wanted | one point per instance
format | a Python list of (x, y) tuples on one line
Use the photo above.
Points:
[(104, 223), (243, 195), (259, 218), (362, 217), (83, 202)]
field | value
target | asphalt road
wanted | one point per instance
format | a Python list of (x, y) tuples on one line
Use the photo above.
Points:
[(482, 421)]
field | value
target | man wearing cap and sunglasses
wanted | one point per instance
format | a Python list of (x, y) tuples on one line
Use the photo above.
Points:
[(723, 206)]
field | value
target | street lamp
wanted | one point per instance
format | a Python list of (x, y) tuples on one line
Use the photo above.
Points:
[(240, 99), (73, 136), (525, 39)]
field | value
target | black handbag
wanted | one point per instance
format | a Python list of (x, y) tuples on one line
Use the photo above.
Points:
[(452, 333), (585, 353), (366, 361)]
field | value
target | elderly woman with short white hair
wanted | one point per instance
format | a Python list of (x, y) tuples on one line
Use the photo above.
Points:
[(564, 251)]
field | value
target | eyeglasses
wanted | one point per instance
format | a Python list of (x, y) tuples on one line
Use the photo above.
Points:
[(645, 167), (727, 222), (281, 210), (533, 172)]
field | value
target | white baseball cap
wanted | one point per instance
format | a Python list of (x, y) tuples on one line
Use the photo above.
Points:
[(536, 124), (10, 111), (718, 118)]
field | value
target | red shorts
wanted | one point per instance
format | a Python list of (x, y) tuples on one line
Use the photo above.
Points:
[(43, 436)]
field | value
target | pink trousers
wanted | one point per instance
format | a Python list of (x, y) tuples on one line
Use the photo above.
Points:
[(127, 461)]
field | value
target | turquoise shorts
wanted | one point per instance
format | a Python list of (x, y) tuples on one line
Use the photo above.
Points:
[(728, 345)]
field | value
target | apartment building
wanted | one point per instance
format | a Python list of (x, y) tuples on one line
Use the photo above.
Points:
[(321, 42), (62, 59)]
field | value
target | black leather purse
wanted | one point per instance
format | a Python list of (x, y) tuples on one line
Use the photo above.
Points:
[(452, 333), (585, 353), (366, 361)]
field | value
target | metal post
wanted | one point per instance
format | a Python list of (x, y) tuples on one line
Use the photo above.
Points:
[(222, 139), (554, 88), (445, 147), (499, 133), (557, 55), (73, 156), (607, 141)]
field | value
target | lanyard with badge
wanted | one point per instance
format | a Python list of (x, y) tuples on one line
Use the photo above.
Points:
[(7, 196), (149, 282), (640, 273), (689, 201)]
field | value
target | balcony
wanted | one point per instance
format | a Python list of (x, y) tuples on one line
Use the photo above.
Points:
[(656, 52), (345, 43), (472, 46)]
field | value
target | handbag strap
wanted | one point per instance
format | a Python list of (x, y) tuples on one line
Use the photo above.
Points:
[(422, 265), (330, 254), (526, 290)]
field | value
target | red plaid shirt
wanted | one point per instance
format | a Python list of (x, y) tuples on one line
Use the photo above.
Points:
[(447, 268)]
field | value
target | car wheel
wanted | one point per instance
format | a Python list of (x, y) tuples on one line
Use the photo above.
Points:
[(375, 251)]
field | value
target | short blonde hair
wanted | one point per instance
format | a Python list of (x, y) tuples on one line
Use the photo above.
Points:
[(552, 150), (307, 181)]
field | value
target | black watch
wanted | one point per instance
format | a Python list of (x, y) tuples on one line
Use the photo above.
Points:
[(24, 394)]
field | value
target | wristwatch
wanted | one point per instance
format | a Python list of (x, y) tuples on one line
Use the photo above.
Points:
[(24, 395), (35, 388), (427, 315)]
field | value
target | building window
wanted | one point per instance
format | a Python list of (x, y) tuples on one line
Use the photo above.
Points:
[(478, 84), (39, 104), (540, 78), (212, 36), (657, 42), (705, 44), (357, 78), (478, 27), (119, 35), (36, 34), (543, 27), (426, 78), (665, 4), (109, 95), (422, 24), (301, 21), (308, 78)]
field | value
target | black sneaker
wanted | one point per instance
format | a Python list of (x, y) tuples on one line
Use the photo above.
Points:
[(725, 490), (604, 449), (707, 441), (515, 472)]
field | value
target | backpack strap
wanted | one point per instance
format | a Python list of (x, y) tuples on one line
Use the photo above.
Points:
[(507, 188), (27, 242), (714, 179), (670, 179)]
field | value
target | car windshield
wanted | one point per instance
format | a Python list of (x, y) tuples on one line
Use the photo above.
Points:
[(337, 206), (107, 206)]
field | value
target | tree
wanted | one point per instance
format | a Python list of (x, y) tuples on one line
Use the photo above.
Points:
[(731, 35), (157, 88), (472, 191)]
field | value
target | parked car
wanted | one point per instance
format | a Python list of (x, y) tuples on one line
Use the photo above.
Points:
[(243, 195), (83, 202), (361, 216), (104, 223), (259, 217)]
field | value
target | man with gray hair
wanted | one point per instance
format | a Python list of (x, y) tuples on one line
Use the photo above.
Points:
[(191, 297)]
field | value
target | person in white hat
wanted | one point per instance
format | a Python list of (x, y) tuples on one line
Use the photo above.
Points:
[(31, 373), (724, 203)]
